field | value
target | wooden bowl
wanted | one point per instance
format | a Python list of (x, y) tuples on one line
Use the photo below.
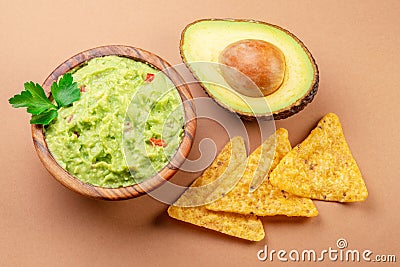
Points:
[(151, 183)]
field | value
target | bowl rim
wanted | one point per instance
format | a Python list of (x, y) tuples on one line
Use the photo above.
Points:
[(136, 190)]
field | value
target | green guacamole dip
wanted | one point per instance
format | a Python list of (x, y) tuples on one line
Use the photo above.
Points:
[(126, 126)]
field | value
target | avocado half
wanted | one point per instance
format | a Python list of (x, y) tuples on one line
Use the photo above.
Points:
[(204, 40)]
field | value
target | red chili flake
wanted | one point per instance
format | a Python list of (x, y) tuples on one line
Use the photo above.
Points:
[(83, 88), (77, 134), (149, 77), (70, 118), (158, 142)]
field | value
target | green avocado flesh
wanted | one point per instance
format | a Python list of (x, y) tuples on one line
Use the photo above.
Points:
[(203, 41), (106, 140)]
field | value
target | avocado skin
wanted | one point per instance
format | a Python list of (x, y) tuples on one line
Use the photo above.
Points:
[(302, 103), (284, 113)]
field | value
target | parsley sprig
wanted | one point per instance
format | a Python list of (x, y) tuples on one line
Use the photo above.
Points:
[(43, 111)]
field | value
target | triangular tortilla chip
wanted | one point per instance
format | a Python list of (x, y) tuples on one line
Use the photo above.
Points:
[(223, 170), (266, 200), (322, 166), (242, 226)]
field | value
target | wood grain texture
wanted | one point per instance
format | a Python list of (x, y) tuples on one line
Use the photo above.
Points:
[(136, 190)]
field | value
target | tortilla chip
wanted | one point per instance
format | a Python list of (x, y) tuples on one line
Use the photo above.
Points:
[(241, 226), (231, 158), (266, 200), (322, 166)]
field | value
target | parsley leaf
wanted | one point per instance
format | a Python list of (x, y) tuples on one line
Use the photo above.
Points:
[(44, 118), (33, 98), (43, 111), (66, 91)]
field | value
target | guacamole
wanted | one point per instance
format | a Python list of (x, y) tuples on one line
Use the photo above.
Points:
[(126, 126)]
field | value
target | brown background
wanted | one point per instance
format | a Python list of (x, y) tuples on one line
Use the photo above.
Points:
[(356, 46)]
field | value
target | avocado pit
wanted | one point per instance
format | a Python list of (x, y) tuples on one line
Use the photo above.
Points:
[(262, 63)]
